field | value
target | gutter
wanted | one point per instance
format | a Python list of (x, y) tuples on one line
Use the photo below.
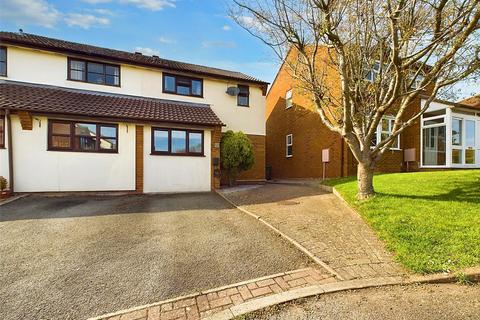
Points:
[(10, 150)]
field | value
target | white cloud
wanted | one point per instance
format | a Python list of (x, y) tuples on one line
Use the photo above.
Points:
[(251, 23), (104, 12), (165, 40), (85, 21), (97, 1), (147, 51), (154, 5), (33, 12), (219, 44), (226, 28)]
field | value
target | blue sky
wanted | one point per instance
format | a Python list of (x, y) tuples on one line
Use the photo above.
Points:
[(196, 31)]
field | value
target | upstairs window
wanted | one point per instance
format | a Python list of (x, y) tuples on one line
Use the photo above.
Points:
[(182, 85), (418, 81), (93, 72), (82, 137), (178, 142), (243, 96), (372, 73), (2, 132), (289, 145), (3, 61), (288, 99), (384, 130)]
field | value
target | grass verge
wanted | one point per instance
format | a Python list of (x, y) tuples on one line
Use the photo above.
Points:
[(430, 220)]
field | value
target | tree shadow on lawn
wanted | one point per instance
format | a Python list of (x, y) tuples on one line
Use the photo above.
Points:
[(468, 192)]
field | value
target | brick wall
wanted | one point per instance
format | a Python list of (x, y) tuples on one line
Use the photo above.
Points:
[(310, 136), (139, 159), (215, 154), (257, 172)]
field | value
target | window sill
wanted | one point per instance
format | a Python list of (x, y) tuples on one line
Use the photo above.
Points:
[(391, 149), (288, 157), (78, 151), (100, 84), (176, 154), (239, 105), (183, 95)]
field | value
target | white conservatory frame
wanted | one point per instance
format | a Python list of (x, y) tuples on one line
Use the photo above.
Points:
[(448, 112)]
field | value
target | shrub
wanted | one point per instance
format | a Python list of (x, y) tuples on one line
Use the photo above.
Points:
[(236, 154), (3, 183)]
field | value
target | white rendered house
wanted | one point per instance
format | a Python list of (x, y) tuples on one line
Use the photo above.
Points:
[(76, 117)]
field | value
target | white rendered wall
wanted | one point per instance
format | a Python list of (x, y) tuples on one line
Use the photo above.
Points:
[(163, 173), (39, 170), (41, 67)]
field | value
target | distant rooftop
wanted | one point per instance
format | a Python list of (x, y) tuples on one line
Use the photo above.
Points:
[(472, 101)]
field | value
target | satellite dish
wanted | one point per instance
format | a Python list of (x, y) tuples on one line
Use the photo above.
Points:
[(233, 91)]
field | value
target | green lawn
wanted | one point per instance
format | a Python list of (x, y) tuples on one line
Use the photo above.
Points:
[(430, 220)]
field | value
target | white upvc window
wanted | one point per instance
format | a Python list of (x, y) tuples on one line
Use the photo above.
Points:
[(418, 81), (464, 136), (289, 145), (372, 73), (288, 99), (384, 130)]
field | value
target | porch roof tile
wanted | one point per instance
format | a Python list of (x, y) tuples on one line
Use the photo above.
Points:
[(55, 100)]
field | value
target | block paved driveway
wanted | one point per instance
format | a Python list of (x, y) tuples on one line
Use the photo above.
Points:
[(322, 224), (78, 257)]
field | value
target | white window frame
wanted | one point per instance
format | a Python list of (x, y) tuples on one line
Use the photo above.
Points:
[(423, 126), (391, 122), (418, 81), (289, 99), (373, 72), (288, 144), (463, 147)]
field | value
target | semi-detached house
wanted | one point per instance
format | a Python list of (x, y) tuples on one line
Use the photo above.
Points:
[(76, 117)]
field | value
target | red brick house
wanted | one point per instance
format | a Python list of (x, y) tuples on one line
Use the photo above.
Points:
[(447, 136)]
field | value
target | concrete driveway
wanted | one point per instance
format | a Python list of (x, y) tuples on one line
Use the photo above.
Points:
[(77, 257)]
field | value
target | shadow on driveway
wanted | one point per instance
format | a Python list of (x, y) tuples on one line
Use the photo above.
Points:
[(78, 257), (48, 207)]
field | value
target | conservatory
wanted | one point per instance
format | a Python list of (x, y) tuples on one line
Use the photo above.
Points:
[(450, 136)]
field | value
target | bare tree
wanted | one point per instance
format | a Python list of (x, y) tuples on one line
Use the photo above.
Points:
[(386, 54)]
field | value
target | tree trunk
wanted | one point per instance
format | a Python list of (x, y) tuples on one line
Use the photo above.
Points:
[(365, 181), (232, 177)]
